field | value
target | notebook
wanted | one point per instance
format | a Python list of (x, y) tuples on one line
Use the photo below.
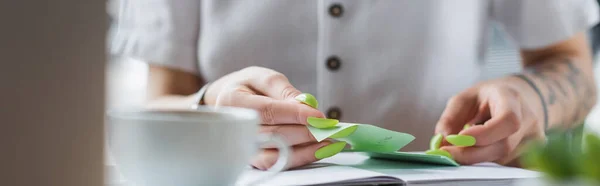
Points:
[(360, 168), (375, 159)]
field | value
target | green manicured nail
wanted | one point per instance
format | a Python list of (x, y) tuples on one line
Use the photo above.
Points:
[(330, 150), (308, 99), (466, 126), (344, 133), (439, 152), (322, 123), (461, 140), (436, 142)]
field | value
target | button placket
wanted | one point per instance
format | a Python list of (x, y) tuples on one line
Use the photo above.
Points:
[(333, 62)]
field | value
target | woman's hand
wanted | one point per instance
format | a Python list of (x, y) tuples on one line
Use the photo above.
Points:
[(271, 94), (506, 116)]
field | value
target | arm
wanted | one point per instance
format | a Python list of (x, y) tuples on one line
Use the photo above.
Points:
[(556, 87), (563, 74), (171, 88), (164, 34), (264, 90)]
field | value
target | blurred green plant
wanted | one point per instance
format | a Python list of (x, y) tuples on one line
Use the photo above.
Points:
[(565, 155)]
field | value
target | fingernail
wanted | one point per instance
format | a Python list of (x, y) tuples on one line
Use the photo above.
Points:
[(443, 132), (436, 142), (461, 140), (308, 99), (344, 133), (330, 150), (466, 126), (439, 152), (322, 123)]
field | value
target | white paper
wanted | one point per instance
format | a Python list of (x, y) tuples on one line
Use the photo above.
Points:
[(419, 173), (476, 172), (356, 166), (312, 175)]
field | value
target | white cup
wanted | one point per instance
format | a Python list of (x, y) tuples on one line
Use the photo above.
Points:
[(205, 146)]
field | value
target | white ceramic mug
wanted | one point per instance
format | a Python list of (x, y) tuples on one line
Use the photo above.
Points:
[(205, 146)]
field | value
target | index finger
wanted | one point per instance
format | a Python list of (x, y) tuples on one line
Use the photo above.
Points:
[(506, 120), (272, 111), (271, 83), (459, 110)]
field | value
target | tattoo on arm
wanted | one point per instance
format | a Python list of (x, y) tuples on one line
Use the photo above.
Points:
[(582, 88), (565, 77), (551, 93), (539, 93)]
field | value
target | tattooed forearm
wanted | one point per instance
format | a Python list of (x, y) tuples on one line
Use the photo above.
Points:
[(551, 94), (559, 86), (577, 90)]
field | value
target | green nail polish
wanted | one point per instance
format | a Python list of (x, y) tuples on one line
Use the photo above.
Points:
[(466, 126), (344, 133), (439, 152), (308, 99), (330, 150), (461, 140), (436, 142), (322, 123)]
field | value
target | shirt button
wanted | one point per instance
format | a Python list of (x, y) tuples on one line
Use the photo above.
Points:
[(333, 63), (336, 10), (334, 113)]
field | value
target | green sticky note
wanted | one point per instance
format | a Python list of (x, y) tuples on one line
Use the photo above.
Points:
[(324, 133), (378, 143), (365, 138), (414, 158)]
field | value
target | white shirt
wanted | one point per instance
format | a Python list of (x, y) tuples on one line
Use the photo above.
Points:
[(399, 60)]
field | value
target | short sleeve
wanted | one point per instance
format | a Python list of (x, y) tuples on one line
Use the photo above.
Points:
[(539, 23), (161, 32)]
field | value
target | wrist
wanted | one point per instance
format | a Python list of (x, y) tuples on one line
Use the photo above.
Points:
[(532, 97)]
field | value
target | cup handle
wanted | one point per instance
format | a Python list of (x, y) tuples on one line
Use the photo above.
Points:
[(282, 160)]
